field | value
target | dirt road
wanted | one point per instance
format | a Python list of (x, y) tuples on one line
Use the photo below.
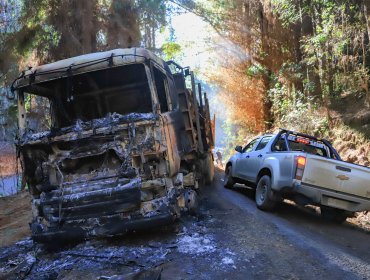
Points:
[(228, 239), (15, 214)]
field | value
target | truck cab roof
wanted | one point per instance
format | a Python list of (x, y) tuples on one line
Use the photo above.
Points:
[(85, 63)]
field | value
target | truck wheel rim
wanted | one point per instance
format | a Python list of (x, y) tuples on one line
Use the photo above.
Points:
[(263, 192)]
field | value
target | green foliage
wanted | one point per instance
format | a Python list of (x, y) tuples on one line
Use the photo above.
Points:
[(292, 110), (236, 134), (287, 11), (171, 50), (152, 18), (291, 71), (256, 70), (299, 116)]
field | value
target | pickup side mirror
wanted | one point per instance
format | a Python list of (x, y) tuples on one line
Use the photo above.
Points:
[(239, 149)]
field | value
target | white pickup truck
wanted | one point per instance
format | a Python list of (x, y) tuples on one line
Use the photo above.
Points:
[(302, 168)]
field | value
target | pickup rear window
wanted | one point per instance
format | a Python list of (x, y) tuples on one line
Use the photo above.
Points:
[(303, 145)]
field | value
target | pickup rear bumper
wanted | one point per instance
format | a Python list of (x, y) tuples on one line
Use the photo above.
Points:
[(334, 199)]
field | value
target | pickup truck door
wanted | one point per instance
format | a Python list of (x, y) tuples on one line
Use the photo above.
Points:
[(242, 160), (254, 162)]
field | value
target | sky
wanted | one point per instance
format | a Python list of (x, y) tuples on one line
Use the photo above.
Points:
[(193, 34), (196, 37)]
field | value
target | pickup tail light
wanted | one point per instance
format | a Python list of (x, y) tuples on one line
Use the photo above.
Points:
[(301, 164)]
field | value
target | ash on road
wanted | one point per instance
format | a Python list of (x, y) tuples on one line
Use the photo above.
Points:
[(228, 239)]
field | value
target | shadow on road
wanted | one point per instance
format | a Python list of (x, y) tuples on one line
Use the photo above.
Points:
[(303, 215)]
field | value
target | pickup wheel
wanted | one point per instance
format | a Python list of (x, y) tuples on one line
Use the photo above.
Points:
[(229, 181), (337, 216), (265, 197)]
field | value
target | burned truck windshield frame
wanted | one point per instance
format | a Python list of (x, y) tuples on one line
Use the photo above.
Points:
[(128, 151), (94, 95)]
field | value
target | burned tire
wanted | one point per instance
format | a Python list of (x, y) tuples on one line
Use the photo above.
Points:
[(265, 197), (208, 169), (337, 216), (229, 181)]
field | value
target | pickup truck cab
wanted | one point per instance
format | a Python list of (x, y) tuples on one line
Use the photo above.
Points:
[(302, 168)]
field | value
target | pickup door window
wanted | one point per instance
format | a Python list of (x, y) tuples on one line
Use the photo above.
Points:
[(254, 162), (241, 162), (263, 143)]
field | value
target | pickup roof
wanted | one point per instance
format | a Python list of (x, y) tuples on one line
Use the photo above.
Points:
[(303, 168)]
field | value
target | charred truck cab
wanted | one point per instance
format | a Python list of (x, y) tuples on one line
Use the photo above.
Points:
[(126, 147)]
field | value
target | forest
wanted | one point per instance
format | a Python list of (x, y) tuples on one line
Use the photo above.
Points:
[(298, 64)]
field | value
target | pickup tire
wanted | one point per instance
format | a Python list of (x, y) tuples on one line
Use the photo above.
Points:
[(265, 197), (337, 216), (229, 181)]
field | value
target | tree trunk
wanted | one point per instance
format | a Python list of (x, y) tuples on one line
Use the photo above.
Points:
[(267, 104), (366, 71), (367, 16)]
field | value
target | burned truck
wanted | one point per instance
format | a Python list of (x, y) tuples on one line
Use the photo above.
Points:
[(125, 143)]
